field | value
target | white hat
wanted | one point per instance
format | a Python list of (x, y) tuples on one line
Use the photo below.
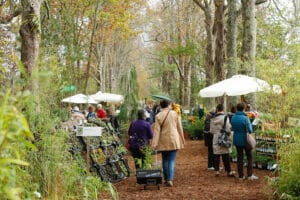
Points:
[(75, 108)]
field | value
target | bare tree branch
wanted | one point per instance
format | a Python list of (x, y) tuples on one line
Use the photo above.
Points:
[(200, 4), (257, 2), (279, 12)]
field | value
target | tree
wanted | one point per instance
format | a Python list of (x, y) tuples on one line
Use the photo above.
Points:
[(231, 38), (249, 37), (210, 46)]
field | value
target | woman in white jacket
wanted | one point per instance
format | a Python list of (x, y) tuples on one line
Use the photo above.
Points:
[(216, 124)]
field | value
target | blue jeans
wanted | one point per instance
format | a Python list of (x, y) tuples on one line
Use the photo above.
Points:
[(169, 161)]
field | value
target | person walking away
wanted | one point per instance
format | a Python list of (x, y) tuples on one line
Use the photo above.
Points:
[(208, 138), (168, 138), (101, 112), (241, 125), (140, 133), (216, 124)]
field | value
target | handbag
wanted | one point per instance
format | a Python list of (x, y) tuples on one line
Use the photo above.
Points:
[(251, 143), (224, 139), (250, 140)]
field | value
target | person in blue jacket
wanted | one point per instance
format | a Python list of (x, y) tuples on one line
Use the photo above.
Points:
[(241, 125)]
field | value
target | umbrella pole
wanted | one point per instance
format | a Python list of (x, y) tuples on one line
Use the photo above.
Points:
[(225, 103)]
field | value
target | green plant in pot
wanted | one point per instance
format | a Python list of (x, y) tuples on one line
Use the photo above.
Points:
[(149, 173), (148, 161), (195, 129)]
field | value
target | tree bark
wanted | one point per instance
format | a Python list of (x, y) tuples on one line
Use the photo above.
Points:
[(209, 55), (219, 50), (30, 34), (231, 37), (249, 41), (210, 46), (249, 37)]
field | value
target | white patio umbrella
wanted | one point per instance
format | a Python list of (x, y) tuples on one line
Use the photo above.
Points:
[(234, 86), (79, 99), (107, 97)]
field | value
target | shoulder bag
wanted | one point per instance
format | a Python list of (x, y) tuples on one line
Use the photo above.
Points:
[(250, 141)]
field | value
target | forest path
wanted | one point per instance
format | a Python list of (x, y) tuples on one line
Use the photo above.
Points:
[(193, 180)]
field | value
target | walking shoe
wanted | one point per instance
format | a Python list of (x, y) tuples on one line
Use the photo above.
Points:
[(241, 178), (231, 174), (252, 177), (217, 173), (211, 168), (169, 184)]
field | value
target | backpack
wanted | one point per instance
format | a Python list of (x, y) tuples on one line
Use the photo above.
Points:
[(224, 139)]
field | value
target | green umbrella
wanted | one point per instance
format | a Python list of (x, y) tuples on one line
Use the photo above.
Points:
[(162, 97)]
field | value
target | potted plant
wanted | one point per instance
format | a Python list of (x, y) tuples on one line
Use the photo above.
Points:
[(258, 160), (149, 173), (195, 129)]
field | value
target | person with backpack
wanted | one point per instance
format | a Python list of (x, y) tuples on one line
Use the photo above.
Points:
[(208, 137), (219, 123)]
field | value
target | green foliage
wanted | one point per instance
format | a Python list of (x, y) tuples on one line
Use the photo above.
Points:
[(131, 89), (195, 129), (14, 143), (189, 49), (288, 183), (281, 104), (147, 163)]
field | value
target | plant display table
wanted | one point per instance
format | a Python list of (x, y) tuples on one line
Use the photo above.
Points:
[(102, 149)]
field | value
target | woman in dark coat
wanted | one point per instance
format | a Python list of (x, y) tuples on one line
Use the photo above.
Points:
[(140, 133)]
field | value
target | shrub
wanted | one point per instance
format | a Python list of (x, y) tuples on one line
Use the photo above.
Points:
[(14, 143), (288, 183)]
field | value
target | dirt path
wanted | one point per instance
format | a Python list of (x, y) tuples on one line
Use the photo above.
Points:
[(194, 181)]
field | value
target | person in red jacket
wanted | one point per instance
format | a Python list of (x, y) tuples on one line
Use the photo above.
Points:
[(100, 112)]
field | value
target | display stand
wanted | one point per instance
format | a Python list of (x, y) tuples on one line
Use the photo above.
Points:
[(102, 150)]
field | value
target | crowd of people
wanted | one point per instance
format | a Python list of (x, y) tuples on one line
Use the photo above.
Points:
[(93, 113), (162, 131), (236, 122), (159, 127)]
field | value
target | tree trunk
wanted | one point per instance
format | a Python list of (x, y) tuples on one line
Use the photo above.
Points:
[(219, 32), (91, 47), (249, 41), (249, 37), (231, 36), (209, 55), (30, 34)]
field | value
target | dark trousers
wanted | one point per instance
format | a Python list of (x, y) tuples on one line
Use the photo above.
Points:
[(226, 162), (210, 160), (138, 157), (208, 138), (240, 161)]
